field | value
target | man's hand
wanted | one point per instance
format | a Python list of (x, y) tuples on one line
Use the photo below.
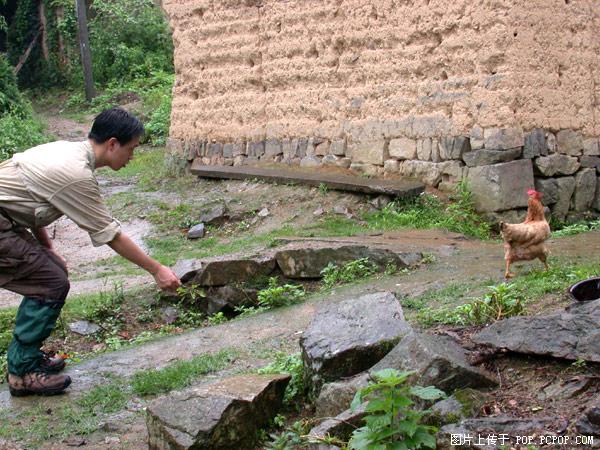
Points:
[(166, 279)]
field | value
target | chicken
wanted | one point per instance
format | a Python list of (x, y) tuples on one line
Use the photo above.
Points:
[(525, 241)]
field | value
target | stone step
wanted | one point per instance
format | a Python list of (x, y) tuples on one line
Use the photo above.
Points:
[(333, 179)]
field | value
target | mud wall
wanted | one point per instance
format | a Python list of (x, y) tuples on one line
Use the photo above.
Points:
[(372, 85)]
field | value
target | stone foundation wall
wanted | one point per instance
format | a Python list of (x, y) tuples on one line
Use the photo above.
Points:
[(499, 164), (426, 88)]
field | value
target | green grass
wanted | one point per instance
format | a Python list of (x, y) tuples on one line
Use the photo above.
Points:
[(180, 374), (447, 306), (428, 211)]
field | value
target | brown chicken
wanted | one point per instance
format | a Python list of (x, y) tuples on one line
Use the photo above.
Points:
[(525, 241)]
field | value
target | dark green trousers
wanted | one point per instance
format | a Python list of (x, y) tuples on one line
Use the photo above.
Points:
[(35, 321)]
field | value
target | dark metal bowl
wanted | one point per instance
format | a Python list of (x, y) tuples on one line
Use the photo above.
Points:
[(586, 290)]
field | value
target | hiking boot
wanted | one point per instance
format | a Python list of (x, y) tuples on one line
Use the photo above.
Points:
[(37, 383), (52, 364)]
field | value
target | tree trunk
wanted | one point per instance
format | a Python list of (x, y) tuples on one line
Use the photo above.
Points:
[(43, 28), (63, 59), (23, 58), (84, 46)]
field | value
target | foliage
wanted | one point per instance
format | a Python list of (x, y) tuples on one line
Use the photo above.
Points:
[(217, 318), (391, 422), (348, 273), (428, 211), (180, 374), (7, 323), (11, 99), (293, 365), (291, 439), (275, 296), (500, 302), (129, 39), (576, 228), (19, 130)]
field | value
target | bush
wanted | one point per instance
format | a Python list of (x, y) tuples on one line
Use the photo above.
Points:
[(19, 132)]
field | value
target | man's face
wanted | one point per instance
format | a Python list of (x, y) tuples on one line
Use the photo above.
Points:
[(120, 155)]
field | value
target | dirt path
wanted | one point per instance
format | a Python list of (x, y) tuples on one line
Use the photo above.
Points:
[(257, 337)]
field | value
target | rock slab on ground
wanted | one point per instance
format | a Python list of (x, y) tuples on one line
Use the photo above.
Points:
[(222, 271), (438, 361), (309, 262), (219, 416), (572, 334), (349, 337)]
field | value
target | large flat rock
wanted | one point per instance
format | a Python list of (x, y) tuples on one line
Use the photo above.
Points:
[(572, 334), (349, 337), (308, 262), (220, 416), (220, 271), (437, 361), (338, 180)]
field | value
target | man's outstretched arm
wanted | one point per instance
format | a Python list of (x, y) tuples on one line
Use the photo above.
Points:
[(124, 246)]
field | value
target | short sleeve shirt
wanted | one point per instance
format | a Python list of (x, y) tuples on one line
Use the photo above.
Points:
[(43, 183)]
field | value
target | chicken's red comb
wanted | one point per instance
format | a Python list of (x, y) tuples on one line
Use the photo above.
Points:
[(533, 192)]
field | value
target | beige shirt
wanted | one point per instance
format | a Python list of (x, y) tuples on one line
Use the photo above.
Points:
[(41, 184)]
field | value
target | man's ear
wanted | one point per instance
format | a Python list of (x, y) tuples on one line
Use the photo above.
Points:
[(112, 143)]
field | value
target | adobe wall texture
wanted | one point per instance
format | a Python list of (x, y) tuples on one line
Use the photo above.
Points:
[(387, 86)]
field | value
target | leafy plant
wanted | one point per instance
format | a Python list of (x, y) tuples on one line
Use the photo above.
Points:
[(323, 189), (348, 273), (391, 421), (293, 365), (291, 439), (499, 303), (191, 293), (217, 318), (275, 296)]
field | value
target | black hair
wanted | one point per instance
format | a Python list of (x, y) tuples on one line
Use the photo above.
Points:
[(117, 123)]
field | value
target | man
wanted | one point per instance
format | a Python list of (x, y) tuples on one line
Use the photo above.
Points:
[(37, 187)]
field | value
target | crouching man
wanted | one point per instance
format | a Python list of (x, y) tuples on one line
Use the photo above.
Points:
[(37, 187)]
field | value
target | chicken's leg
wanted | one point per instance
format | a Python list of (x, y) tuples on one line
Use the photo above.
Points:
[(507, 273)]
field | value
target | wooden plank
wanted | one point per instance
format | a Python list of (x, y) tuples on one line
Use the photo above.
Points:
[(315, 177)]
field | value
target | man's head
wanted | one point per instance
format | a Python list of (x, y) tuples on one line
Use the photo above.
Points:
[(117, 133)]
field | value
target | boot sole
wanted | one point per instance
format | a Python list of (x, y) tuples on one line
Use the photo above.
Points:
[(46, 392)]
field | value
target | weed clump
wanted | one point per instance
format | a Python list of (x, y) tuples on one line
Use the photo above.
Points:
[(428, 211), (348, 273)]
